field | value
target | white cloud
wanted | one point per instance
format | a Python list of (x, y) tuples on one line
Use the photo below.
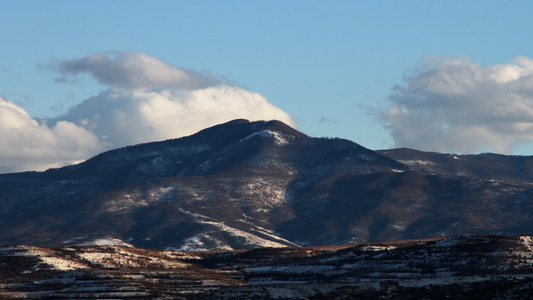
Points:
[(27, 144), (455, 105), (133, 69), (122, 117), (146, 100)]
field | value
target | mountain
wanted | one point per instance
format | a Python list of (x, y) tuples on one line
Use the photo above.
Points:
[(462, 267), (242, 185), (486, 165)]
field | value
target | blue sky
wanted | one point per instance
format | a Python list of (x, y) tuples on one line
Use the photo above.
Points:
[(338, 68)]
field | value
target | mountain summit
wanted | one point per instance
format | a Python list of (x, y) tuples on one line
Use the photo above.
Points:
[(259, 184)]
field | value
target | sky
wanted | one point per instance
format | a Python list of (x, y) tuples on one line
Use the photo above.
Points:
[(81, 77)]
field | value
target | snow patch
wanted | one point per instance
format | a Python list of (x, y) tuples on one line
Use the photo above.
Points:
[(528, 242), (377, 248), (107, 241), (62, 264), (46, 256), (199, 243), (417, 162), (122, 257), (249, 238), (278, 137), (400, 226)]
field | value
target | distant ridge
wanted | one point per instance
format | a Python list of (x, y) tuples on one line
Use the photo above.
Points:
[(485, 165)]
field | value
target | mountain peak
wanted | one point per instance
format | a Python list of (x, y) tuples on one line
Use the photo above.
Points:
[(278, 126), (240, 128)]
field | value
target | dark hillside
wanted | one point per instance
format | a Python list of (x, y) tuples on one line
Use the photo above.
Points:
[(264, 184)]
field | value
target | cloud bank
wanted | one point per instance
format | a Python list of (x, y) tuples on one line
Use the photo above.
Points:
[(122, 117), (146, 100), (455, 105), (29, 145)]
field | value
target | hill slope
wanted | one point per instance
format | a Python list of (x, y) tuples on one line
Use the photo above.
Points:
[(260, 184), (463, 267)]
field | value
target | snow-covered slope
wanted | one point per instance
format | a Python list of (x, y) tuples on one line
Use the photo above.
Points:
[(462, 267)]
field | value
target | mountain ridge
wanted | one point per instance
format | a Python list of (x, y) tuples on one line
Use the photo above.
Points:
[(503, 167), (248, 184)]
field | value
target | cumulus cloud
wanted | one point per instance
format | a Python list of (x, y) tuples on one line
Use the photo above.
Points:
[(27, 144), (122, 117), (146, 100), (456, 105)]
